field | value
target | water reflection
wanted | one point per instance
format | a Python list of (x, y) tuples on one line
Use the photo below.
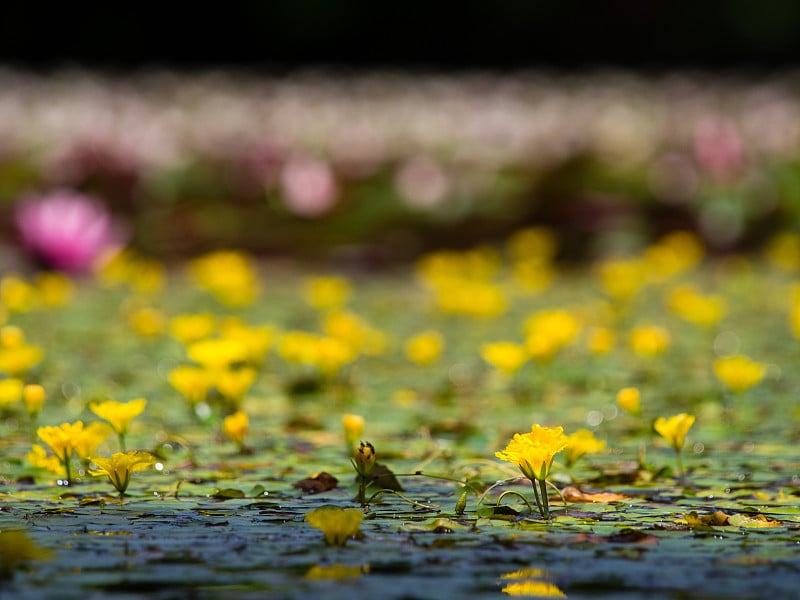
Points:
[(530, 583)]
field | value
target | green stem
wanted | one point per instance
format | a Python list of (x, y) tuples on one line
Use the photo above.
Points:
[(514, 493), (538, 499), (67, 466), (121, 437), (681, 472), (545, 500)]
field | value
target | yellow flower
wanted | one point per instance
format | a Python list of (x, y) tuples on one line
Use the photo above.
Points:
[(18, 360), (326, 293), (192, 382), (53, 289), (16, 294), (10, 392), (354, 332), (39, 459), (33, 396), (533, 452), (629, 399), (548, 331), (233, 384), (337, 524), (61, 438), (16, 548), (506, 357), (532, 275), (364, 458), (739, 373), (580, 443), (11, 336), (147, 322), (218, 353), (538, 589), (353, 428), (228, 275), (649, 340), (192, 328), (600, 341), (87, 441), (673, 254), (674, 429), (622, 278), (120, 465), (424, 348), (532, 243), (119, 414), (256, 340), (783, 252), (479, 299), (696, 308), (235, 427)]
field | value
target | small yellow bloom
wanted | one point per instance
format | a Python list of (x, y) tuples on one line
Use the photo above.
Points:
[(506, 357), (580, 443), (622, 278), (533, 452), (783, 252), (119, 414), (353, 426), (61, 438), (337, 524), (228, 275), (16, 294), (17, 548), (11, 336), (548, 331), (649, 340), (18, 360), (147, 322), (53, 289), (601, 340), (235, 427), (10, 392), (192, 382), (120, 465), (696, 308), (738, 373), (193, 327), (39, 459), (425, 348), (538, 589), (674, 429), (629, 399), (218, 353), (89, 439), (233, 384), (327, 293), (33, 396), (364, 458), (532, 243)]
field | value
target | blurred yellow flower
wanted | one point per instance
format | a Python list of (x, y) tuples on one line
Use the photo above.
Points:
[(649, 340), (600, 340), (325, 353), (193, 383), (532, 275), (218, 353), (783, 252), (337, 524), (673, 254), (11, 336), (39, 459), (674, 429), (506, 357), (686, 302), (353, 426), (739, 373), (17, 548), (622, 278), (147, 322), (191, 328), (424, 348), (89, 439), (33, 395), (61, 440), (548, 331), (120, 465), (479, 299), (53, 289), (538, 589), (629, 399), (533, 452), (10, 392), (354, 332), (18, 360), (532, 243), (235, 427), (256, 340), (228, 275), (233, 384), (327, 293), (16, 294), (580, 443)]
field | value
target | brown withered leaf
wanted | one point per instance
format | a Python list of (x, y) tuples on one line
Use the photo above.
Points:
[(574, 494), (382, 478), (321, 482), (625, 536)]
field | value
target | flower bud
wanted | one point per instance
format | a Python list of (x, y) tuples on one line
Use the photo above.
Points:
[(364, 458)]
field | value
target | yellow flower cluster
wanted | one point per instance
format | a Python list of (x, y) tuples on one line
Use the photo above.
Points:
[(16, 356), (143, 275), (44, 290), (228, 275)]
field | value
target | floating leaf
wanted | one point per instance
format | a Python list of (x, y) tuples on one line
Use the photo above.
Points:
[(227, 494), (321, 482), (574, 494), (754, 521)]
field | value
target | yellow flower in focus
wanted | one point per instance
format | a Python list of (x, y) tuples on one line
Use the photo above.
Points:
[(674, 429), (600, 340), (424, 348), (39, 459), (33, 396), (120, 465), (235, 427), (89, 439), (147, 322), (327, 293), (193, 327), (364, 458), (193, 383), (17, 548), (622, 278), (739, 373), (538, 589), (506, 357), (696, 308), (580, 443), (629, 399), (228, 275), (353, 426), (533, 452), (337, 524), (10, 392), (119, 414), (649, 340), (53, 289)]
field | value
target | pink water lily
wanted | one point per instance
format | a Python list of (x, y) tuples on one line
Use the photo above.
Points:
[(67, 230)]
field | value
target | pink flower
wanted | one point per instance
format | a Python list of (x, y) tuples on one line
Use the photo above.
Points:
[(309, 187), (67, 230)]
